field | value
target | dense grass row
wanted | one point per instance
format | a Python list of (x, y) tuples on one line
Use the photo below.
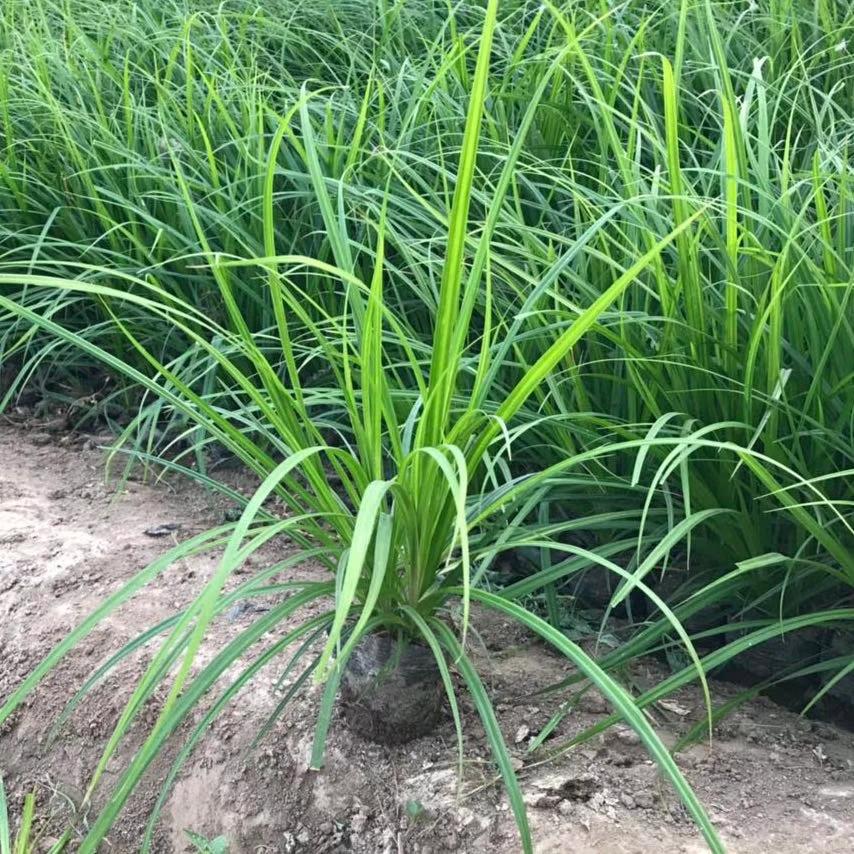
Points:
[(622, 317)]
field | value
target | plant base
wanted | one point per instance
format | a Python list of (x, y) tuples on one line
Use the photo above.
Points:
[(391, 693)]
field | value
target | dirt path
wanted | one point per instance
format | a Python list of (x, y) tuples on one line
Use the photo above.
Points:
[(771, 781)]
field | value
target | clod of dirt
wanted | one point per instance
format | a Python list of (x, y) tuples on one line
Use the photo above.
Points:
[(162, 530), (541, 800), (391, 692), (643, 800), (573, 787), (627, 801), (625, 736), (592, 702)]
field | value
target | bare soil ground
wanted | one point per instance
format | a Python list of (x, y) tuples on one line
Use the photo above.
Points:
[(772, 781)]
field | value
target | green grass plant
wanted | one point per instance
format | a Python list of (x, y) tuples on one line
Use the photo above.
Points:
[(569, 281)]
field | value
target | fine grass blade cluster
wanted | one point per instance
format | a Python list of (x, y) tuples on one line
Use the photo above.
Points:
[(566, 284)]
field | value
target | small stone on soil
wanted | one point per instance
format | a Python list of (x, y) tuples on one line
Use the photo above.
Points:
[(566, 808), (627, 736), (644, 800), (593, 703), (451, 841)]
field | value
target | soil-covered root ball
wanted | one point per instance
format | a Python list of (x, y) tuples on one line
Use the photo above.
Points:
[(391, 691)]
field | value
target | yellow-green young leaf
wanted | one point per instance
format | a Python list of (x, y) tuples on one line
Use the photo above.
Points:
[(5, 838), (382, 553), (23, 842), (444, 362), (689, 272), (367, 519)]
